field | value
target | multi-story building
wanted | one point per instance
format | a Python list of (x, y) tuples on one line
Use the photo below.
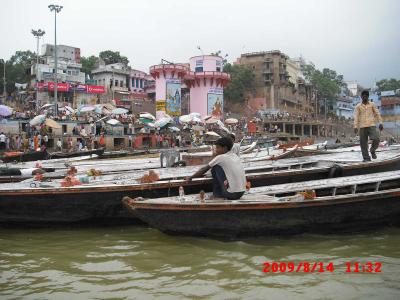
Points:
[(279, 82), (127, 87), (390, 110), (354, 88), (69, 75), (345, 107)]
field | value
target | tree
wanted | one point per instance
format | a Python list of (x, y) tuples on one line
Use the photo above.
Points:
[(242, 83), (388, 84), (18, 69), (89, 64), (327, 83), (112, 57)]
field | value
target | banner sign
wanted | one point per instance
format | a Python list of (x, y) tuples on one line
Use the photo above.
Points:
[(215, 105), (95, 89), (66, 87), (173, 98), (61, 87), (160, 105)]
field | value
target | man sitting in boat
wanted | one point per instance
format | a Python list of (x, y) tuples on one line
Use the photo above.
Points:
[(229, 180)]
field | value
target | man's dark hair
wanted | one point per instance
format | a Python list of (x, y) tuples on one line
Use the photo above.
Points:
[(225, 142), (365, 92), (232, 136)]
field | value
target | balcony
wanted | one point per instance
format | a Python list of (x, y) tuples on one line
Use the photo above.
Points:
[(267, 71)]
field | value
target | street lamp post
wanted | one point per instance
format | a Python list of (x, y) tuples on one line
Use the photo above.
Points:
[(38, 34), (56, 9), (4, 80)]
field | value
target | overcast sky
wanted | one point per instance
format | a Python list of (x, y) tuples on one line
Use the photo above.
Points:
[(358, 38)]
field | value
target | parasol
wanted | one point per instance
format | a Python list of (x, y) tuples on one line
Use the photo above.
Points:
[(212, 133), (119, 111), (174, 129), (147, 116), (163, 121), (53, 124), (88, 108), (231, 121), (47, 105), (37, 120), (5, 111), (113, 122), (185, 119)]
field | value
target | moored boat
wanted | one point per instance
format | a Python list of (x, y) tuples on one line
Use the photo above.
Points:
[(349, 203), (24, 156), (48, 203), (56, 155)]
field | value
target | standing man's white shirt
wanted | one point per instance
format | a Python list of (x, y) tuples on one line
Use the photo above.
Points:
[(233, 169), (2, 138), (236, 149)]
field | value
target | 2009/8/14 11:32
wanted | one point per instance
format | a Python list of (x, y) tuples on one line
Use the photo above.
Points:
[(320, 267)]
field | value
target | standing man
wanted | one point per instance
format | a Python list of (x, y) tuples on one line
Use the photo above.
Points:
[(366, 115)]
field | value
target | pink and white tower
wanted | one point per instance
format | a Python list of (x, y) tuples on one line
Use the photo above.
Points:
[(169, 78), (206, 82)]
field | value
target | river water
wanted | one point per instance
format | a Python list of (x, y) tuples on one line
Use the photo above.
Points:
[(142, 263)]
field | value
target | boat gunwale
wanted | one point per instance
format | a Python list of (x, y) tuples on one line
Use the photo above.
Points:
[(230, 205)]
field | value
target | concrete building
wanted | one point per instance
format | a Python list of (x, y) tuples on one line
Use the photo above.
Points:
[(279, 82), (114, 77), (390, 110), (68, 73), (345, 107), (354, 88), (206, 82)]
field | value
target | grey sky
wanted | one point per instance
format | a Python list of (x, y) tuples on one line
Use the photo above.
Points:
[(359, 39)]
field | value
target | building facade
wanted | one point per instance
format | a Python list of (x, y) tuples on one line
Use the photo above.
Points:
[(71, 86), (279, 82)]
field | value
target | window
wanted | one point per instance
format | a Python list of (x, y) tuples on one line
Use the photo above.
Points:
[(198, 69), (121, 83), (218, 69), (116, 82), (141, 83), (137, 82), (111, 82), (133, 82)]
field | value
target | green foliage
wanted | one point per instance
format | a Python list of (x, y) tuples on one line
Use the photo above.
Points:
[(17, 69), (112, 57), (88, 64), (327, 83), (388, 84), (242, 83)]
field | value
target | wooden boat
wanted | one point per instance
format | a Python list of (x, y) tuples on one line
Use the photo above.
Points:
[(24, 156), (76, 153), (44, 204), (113, 154), (348, 203)]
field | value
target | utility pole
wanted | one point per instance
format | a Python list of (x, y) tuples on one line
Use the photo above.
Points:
[(56, 9), (38, 34)]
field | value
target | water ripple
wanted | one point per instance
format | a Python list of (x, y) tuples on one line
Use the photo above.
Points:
[(142, 263)]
